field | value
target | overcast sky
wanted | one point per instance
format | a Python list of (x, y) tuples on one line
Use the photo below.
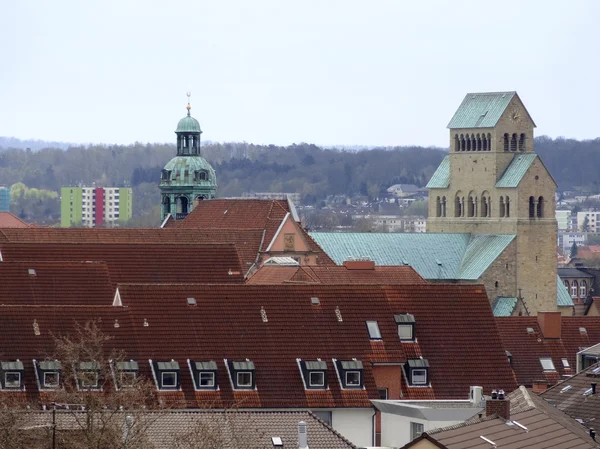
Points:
[(324, 71)]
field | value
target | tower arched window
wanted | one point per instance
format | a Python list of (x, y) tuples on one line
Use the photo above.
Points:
[(166, 205), (472, 204), (513, 142), (485, 205), (443, 206), (438, 207), (507, 206), (540, 207), (531, 207), (489, 139), (468, 143), (182, 205), (574, 288), (484, 143), (506, 138), (462, 142), (568, 285), (502, 207), (478, 142), (583, 289), (458, 205), (456, 143), (522, 142)]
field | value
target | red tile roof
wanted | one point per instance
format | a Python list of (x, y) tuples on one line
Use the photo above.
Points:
[(55, 283), (527, 348), (148, 263), (8, 220), (388, 275)]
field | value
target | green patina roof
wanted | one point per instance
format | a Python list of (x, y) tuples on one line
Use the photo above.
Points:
[(504, 306), (188, 125), (481, 110), (441, 177), (182, 165), (563, 298), (432, 255), (516, 170)]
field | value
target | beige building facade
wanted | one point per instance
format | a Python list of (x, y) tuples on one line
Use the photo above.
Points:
[(492, 182)]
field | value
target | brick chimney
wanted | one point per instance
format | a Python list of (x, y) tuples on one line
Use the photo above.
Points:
[(359, 264), (549, 323), (500, 407), (539, 386)]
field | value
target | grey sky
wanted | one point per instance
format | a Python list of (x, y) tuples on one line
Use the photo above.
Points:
[(326, 72)]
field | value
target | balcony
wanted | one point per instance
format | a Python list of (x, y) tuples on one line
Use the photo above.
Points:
[(180, 216)]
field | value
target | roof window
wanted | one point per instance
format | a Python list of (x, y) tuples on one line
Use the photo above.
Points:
[(12, 375), (582, 330), (315, 301), (547, 364), (530, 330), (406, 326), (314, 374), (88, 376), (166, 375), (126, 373), (417, 372), (277, 441), (565, 363), (350, 373), (48, 374), (374, 332), (242, 374), (191, 301), (204, 375), (31, 272)]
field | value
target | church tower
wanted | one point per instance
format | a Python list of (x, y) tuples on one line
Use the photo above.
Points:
[(188, 177), (492, 182)]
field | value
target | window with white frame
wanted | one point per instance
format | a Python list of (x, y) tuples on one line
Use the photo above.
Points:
[(206, 379), (374, 332), (353, 378), (416, 429), (565, 363), (244, 379), (12, 380), (547, 364), (317, 379), (419, 377), (168, 379), (51, 379)]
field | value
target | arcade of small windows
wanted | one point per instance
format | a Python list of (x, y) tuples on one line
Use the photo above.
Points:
[(511, 143), (578, 289), (536, 207), (473, 206), (440, 206), (473, 142)]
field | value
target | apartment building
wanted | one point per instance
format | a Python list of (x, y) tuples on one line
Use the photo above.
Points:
[(93, 207)]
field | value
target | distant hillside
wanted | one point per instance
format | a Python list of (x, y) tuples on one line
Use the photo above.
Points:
[(312, 171), (33, 145)]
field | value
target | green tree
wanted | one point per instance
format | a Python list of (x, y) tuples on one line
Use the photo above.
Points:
[(573, 250)]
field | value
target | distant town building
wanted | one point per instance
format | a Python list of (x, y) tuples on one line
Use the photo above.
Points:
[(188, 177), (563, 218), (404, 190), (294, 197), (94, 207), (592, 221), (566, 239), (4, 199)]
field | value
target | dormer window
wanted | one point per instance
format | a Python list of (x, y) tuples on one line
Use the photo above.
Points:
[(88, 375), (350, 373), (166, 375), (406, 326), (243, 374), (126, 373), (204, 375), (48, 374), (12, 375), (314, 374), (417, 372)]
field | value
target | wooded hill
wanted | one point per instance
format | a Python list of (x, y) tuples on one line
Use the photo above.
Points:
[(312, 171)]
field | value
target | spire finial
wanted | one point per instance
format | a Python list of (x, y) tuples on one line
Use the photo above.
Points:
[(188, 107)]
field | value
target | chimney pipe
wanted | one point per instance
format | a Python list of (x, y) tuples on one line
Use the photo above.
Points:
[(302, 436), (494, 394), (593, 434), (594, 387)]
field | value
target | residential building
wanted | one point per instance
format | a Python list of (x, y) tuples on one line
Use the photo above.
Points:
[(566, 240), (4, 199), (8, 220), (578, 282), (521, 421), (563, 219), (92, 207), (588, 221), (294, 197), (187, 178), (406, 190)]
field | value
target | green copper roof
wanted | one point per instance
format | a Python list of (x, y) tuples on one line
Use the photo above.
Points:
[(481, 110), (188, 125), (433, 256), (516, 170), (183, 170), (441, 177), (563, 298), (504, 306)]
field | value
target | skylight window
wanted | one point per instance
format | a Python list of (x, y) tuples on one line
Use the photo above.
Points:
[(373, 328), (565, 363), (547, 364)]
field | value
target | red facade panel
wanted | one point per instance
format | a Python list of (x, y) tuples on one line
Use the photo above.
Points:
[(99, 203)]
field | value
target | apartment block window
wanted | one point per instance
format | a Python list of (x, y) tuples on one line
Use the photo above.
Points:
[(416, 429)]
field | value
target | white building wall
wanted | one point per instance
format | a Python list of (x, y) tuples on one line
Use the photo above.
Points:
[(355, 424), (396, 429), (563, 218), (592, 217)]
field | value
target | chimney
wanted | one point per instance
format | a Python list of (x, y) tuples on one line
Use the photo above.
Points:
[(594, 387), (359, 264), (500, 407), (549, 323), (539, 386), (476, 395), (593, 434), (302, 436)]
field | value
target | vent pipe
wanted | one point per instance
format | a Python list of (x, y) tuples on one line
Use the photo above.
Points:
[(302, 435), (594, 387)]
